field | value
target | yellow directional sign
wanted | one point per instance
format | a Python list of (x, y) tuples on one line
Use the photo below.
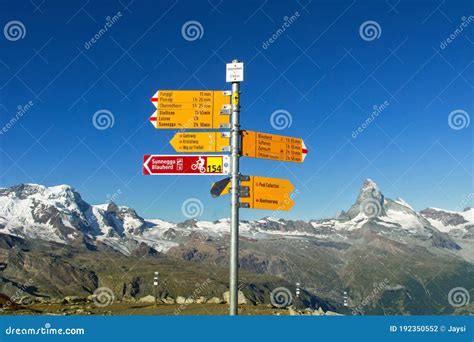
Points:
[(272, 146), (196, 142), (192, 109), (266, 193), (221, 187)]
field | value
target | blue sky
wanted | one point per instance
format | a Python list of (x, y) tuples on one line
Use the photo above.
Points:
[(320, 70)]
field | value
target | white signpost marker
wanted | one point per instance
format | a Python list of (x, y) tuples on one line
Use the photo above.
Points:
[(234, 72), (155, 286)]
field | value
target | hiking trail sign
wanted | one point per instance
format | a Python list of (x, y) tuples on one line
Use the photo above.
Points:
[(197, 165), (190, 110), (201, 142), (272, 146)]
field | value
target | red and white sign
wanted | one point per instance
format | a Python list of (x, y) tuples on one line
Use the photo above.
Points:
[(186, 165)]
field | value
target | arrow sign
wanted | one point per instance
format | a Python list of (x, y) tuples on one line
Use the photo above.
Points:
[(192, 109), (186, 165), (272, 146), (221, 187), (266, 193), (194, 142)]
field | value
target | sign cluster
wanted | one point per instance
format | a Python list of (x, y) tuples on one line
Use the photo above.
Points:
[(191, 110)]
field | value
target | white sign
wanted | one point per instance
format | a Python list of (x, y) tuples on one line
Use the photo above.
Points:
[(234, 72)]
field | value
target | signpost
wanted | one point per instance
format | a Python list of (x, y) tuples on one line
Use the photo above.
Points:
[(194, 142), (186, 165), (192, 109), (272, 146), (212, 109), (266, 193)]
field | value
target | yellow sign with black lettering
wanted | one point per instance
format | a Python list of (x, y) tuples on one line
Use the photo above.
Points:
[(272, 146), (191, 109)]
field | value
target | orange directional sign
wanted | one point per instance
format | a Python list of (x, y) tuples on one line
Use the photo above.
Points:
[(192, 109), (266, 193), (272, 146), (201, 142)]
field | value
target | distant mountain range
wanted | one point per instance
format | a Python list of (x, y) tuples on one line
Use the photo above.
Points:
[(418, 256)]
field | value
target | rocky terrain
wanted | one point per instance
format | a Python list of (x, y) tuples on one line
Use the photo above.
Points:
[(378, 257)]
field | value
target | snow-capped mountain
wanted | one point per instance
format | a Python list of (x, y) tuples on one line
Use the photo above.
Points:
[(60, 214), (455, 223)]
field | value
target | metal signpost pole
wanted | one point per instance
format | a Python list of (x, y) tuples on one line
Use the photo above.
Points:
[(234, 202)]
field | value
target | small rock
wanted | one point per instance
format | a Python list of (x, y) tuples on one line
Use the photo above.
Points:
[(331, 313), (180, 300), (200, 300), (73, 299), (147, 299), (214, 300), (241, 299), (189, 300), (168, 300), (26, 300), (293, 312)]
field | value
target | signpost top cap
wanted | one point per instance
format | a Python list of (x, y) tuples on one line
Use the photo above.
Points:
[(234, 71)]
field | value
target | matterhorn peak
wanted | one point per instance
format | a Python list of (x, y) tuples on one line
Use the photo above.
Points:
[(369, 197), (369, 184), (370, 190)]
